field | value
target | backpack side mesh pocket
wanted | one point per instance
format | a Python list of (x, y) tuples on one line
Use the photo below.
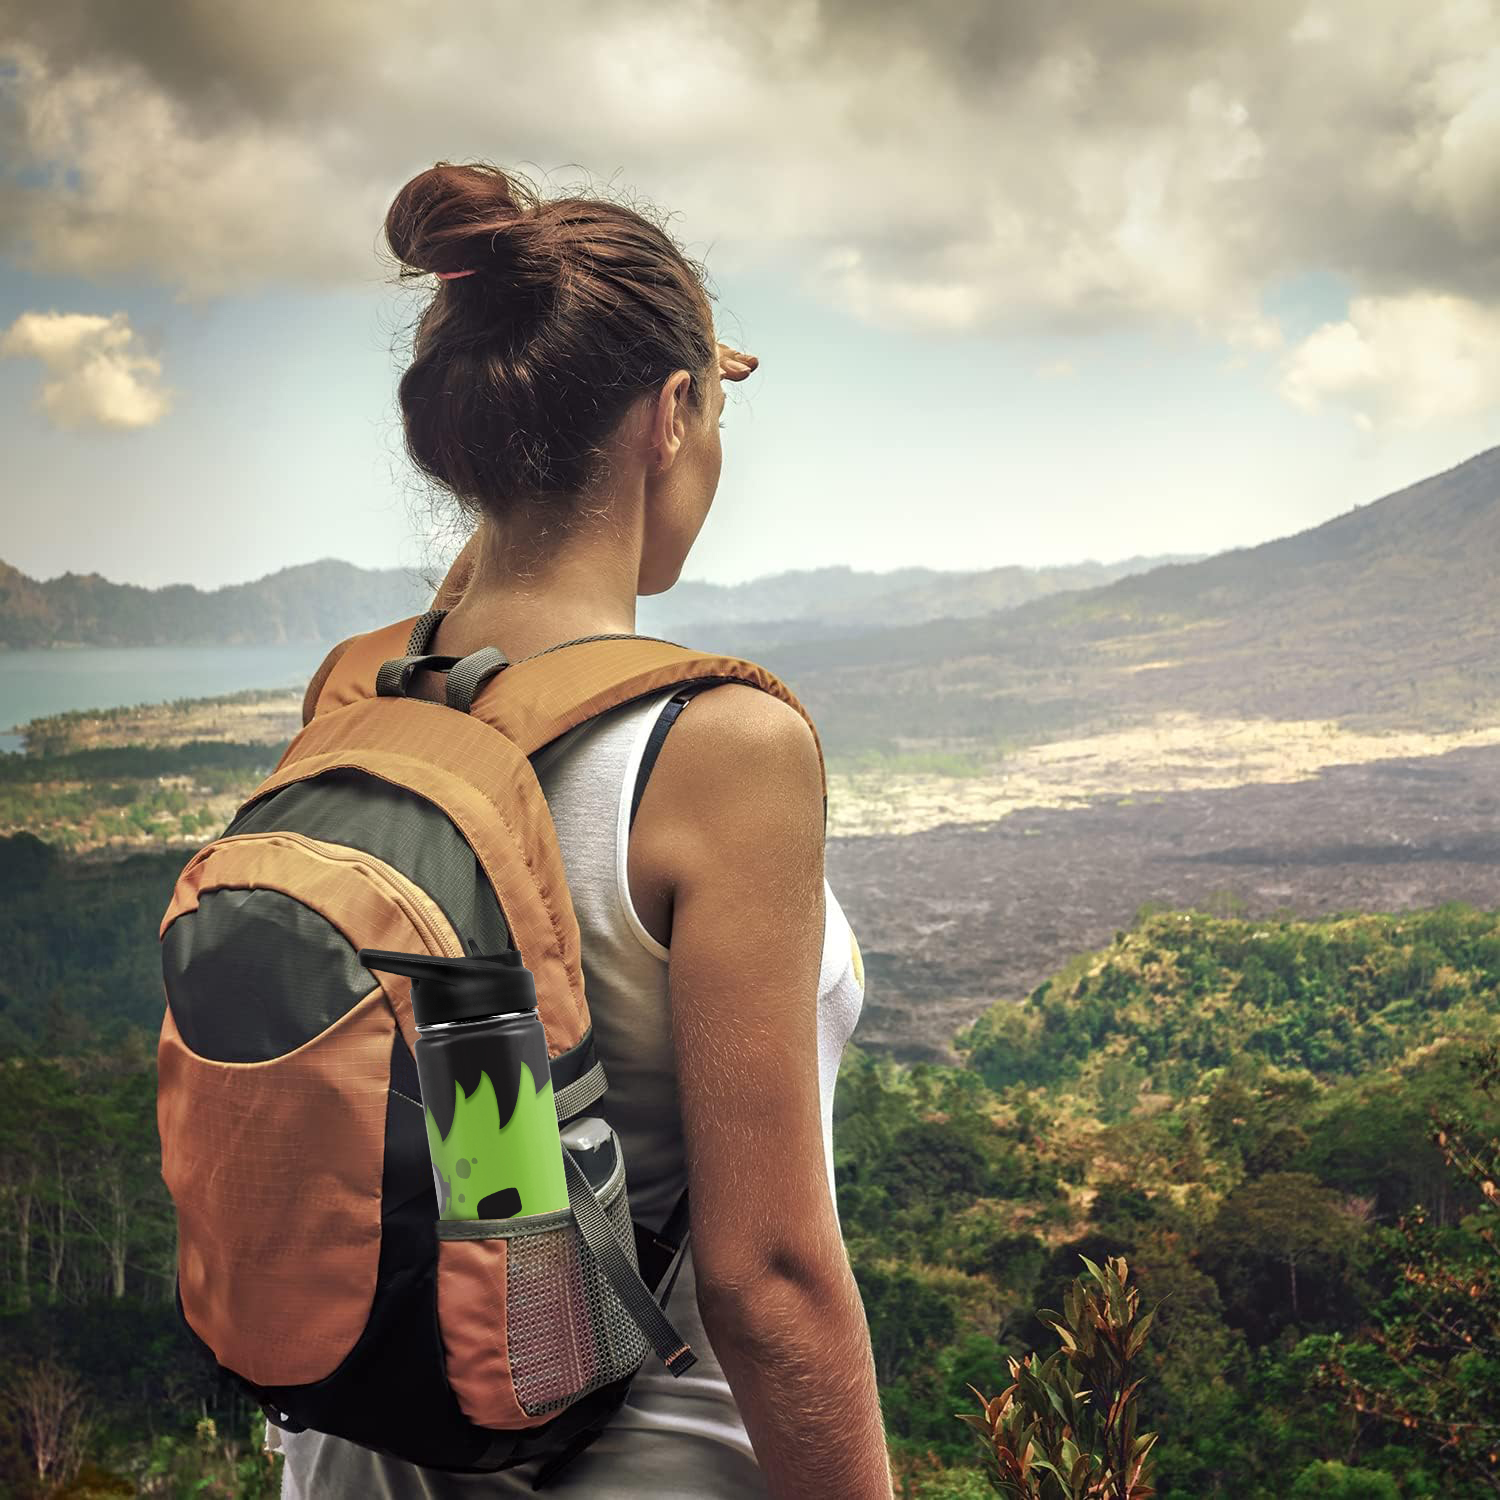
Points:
[(530, 1320)]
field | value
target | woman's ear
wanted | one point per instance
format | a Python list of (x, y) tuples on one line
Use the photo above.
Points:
[(458, 577)]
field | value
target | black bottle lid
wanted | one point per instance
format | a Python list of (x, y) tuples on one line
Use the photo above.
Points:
[(458, 989)]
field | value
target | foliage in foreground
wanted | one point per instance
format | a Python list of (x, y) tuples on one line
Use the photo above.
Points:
[(1064, 1429)]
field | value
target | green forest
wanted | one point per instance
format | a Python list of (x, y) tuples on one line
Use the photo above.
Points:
[(1291, 1129), (79, 799)]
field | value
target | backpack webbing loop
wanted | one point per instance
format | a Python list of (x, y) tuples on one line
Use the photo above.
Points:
[(422, 630), (471, 674)]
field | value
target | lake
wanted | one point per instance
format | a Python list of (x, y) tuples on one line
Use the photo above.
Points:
[(36, 682)]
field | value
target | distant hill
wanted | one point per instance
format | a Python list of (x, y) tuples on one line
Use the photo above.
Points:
[(1384, 617), (321, 601), (329, 600), (843, 600)]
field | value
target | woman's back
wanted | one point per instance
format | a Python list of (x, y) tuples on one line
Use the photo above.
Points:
[(674, 1437)]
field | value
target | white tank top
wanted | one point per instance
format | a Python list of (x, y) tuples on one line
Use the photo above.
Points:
[(673, 1437)]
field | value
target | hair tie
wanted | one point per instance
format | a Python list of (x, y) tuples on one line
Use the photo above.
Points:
[(449, 275)]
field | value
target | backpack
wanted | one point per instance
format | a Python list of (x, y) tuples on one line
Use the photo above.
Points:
[(312, 1267)]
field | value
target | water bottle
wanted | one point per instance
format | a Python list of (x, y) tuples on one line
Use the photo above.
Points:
[(591, 1143), (486, 1083)]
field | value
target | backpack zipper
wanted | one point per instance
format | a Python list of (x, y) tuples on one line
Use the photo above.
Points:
[(427, 916)]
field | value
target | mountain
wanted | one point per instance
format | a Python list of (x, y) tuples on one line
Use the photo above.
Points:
[(1385, 617), (321, 601), (328, 600), (845, 600)]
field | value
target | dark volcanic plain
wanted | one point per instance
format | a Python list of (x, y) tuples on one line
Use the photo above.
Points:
[(957, 917)]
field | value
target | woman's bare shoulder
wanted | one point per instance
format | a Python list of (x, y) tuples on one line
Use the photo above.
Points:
[(740, 714), (733, 747)]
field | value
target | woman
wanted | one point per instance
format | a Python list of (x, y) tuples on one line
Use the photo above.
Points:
[(566, 389)]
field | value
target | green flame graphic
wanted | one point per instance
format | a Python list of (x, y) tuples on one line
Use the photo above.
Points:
[(481, 1156)]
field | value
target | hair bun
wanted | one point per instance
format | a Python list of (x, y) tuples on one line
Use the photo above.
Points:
[(473, 216)]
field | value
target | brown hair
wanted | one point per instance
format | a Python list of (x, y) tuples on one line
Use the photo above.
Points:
[(521, 372)]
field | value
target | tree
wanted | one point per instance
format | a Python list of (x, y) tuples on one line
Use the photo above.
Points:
[(50, 1401), (1274, 1233), (125, 1165), (934, 1164), (1253, 1109), (67, 1144), (1373, 1135), (63, 1029), (28, 1093), (1334, 1481), (906, 1317), (1434, 1367)]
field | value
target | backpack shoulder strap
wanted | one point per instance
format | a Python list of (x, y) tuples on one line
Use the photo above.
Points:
[(476, 766), (664, 721), (534, 700)]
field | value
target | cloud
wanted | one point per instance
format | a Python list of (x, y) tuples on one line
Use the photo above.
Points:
[(95, 377), (1401, 362), (956, 165)]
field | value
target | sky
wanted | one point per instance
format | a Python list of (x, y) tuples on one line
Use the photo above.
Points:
[(1029, 283)]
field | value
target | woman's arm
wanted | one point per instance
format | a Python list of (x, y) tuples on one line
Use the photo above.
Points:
[(743, 813)]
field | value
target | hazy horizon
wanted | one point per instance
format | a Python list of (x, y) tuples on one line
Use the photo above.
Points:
[(1102, 562)]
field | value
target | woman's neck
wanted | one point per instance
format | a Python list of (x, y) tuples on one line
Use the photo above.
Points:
[(588, 588), (522, 627)]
